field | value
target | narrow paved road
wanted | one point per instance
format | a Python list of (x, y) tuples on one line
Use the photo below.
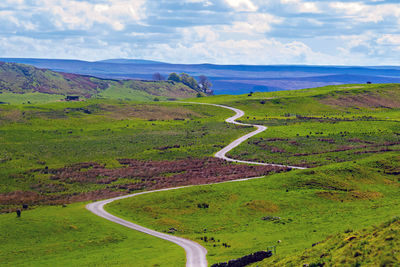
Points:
[(260, 128), (195, 253)]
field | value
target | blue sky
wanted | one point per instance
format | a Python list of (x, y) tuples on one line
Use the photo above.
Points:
[(323, 32)]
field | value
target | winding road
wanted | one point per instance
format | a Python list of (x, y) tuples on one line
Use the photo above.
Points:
[(195, 253)]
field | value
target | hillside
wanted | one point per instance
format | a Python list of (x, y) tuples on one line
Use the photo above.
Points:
[(375, 246), (320, 126), (21, 79), (228, 79), (349, 136), (299, 208)]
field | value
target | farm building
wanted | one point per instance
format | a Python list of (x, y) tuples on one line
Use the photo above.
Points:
[(72, 98)]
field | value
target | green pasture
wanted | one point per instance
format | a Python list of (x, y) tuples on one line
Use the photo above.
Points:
[(28, 98), (63, 133), (320, 125), (350, 132), (320, 143), (72, 236), (310, 205), (372, 246), (124, 93)]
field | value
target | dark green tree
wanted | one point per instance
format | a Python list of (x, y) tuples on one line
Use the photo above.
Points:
[(189, 81), (174, 77)]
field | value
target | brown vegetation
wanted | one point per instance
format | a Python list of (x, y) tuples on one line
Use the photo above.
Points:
[(366, 100), (262, 206), (148, 112), (137, 175)]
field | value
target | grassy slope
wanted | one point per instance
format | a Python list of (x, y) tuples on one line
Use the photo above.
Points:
[(62, 133), (368, 193), (22, 79), (376, 246), (33, 136), (147, 91), (71, 236), (321, 125), (311, 209), (236, 204)]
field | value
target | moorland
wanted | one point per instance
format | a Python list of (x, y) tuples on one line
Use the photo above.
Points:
[(56, 156), (348, 136)]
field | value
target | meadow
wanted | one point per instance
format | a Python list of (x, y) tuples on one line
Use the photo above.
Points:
[(37, 140), (56, 153), (372, 246), (46, 139), (315, 127), (298, 208), (72, 236), (348, 134)]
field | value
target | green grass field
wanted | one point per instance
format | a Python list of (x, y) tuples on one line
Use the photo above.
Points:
[(28, 98), (311, 205), (350, 133), (72, 236), (56, 135), (319, 126), (373, 246)]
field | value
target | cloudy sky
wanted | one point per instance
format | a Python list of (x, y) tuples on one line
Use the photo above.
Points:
[(197, 31)]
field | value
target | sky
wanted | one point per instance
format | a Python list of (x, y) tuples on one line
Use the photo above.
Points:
[(255, 32)]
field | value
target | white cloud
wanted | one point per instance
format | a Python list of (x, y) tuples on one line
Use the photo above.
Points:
[(205, 2), (205, 44), (242, 5), (367, 13), (248, 31), (11, 17), (71, 14), (254, 23), (302, 7), (390, 39)]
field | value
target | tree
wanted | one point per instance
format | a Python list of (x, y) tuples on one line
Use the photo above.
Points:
[(205, 84), (174, 77), (189, 81), (158, 77)]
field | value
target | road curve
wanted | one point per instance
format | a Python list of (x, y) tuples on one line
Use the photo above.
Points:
[(259, 128), (195, 253)]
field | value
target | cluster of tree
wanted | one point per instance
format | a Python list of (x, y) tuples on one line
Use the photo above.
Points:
[(203, 85)]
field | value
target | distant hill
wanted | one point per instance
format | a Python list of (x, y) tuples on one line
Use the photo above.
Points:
[(227, 79), (130, 61), (21, 78)]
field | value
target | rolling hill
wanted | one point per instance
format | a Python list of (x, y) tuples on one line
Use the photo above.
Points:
[(227, 79), (348, 135), (21, 79)]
